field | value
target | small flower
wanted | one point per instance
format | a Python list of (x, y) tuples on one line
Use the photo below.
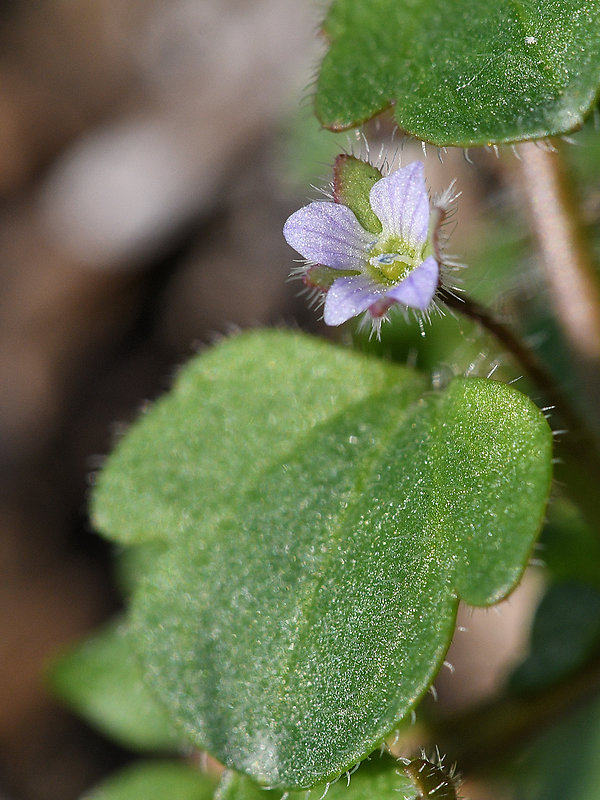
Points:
[(359, 270)]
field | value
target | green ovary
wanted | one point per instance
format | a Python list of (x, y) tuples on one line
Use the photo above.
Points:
[(391, 267), (391, 261)]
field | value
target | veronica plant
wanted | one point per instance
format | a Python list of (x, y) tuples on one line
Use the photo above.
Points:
[(298, 522)]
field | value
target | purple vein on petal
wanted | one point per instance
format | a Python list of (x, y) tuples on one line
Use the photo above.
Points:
[(401, 203), (329, 234), (350, 296), (418, 288)]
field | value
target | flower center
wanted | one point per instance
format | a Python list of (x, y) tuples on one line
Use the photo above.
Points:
[(393, 266), (391, 260)]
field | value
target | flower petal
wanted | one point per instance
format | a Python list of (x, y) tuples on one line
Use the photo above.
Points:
[(350, 296), (329, 234), (418, 288), (401, 203)]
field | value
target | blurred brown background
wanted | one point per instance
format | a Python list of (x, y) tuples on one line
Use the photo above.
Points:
[(140, 214)]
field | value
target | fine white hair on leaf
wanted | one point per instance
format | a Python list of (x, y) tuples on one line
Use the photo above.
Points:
[(327, 785), (546, 145)]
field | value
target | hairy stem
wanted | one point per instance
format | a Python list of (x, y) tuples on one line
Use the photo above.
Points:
[(566, 261)]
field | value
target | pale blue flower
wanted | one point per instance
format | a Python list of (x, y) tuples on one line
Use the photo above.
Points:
[(361, 271)]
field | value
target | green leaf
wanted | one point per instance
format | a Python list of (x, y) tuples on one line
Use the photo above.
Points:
[(353, 180), (132, 563), (563, 762), (380, 778), (155, 780), (201, 446), (330, 513), (565, 633), (462, 73), (102, 681), (570, 548)]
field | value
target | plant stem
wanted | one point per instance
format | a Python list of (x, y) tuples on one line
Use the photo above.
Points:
[(566, 261)]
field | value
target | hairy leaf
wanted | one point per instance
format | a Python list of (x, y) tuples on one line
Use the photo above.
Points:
[(462, 73), (309, 592), (381, 778), (196, 453), (353, 180)]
